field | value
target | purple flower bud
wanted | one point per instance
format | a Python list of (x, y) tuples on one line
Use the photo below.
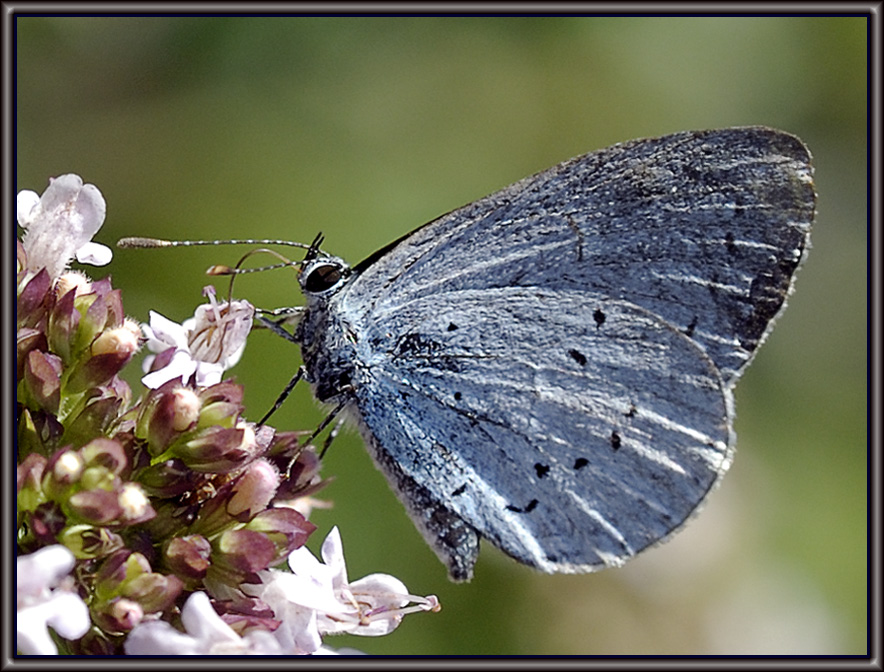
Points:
[(96, 507), (32, 300), (118, 616), (120, 340), (107, 453), (66, 467), (189, 557), (64, 319), (42, 377), (254, 489), (245, 552), (28, 339), (153, 591), (185, 408), (218, 449), (29, 474), (287, 528)]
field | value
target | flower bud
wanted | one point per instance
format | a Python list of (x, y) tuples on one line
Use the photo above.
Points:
[(96, 507), (28, 339), (239, 554), (254, 489), (102, 309), (222, 404), (134, 504), (120, 340), (189, 557), (29, 475), (64, 319), (42, 381), (72, 281), (32, 299), (66, 469), (106, 453), (287, 528), (153, 591), (167, 411), (185, 408), (218, 450)]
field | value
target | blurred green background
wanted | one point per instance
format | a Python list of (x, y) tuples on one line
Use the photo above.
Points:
[(364, 128)]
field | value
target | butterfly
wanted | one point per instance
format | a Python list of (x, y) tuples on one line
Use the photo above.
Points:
[(551, 367)]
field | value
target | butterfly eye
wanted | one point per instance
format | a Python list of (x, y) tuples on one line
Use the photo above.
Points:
[(322, 277)]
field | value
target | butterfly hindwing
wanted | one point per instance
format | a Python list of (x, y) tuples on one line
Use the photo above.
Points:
[(569, 430)]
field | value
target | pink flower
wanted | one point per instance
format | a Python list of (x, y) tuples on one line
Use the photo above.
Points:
[(203, 346), (316, 598), (59, 225)]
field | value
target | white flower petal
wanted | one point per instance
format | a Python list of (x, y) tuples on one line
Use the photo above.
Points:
[(158, 638), (25, 203), (208, 373), (180, 365), (203, 622), (95, 254), (71, 615), (385, 588), (333, 554), (39, 606), (38, 572), (163, 333), (32, 638)]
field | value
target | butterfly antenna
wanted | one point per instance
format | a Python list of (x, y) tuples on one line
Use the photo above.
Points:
[(140, 242)]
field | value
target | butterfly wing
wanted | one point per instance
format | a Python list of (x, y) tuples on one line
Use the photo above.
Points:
[(704, 229), (570, 430)]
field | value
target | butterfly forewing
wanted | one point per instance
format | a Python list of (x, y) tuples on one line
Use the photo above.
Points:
[(704, 229)]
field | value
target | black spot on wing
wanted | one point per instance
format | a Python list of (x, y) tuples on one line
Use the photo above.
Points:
[(732, 249), (527, 509)]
